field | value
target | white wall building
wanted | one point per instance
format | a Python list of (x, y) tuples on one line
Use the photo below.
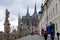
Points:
[(52, 12)]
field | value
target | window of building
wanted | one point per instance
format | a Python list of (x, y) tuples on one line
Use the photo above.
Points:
[(27, 22), (51, 14), (35, 23), (32, 23), (56, 26), (48, 16), (53, 11), (56, 8)]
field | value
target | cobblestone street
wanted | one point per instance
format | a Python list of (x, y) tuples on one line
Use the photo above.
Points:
[(30, 37), (34, 37)]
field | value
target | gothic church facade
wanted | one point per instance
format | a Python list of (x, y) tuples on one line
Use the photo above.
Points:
[(29, 21)]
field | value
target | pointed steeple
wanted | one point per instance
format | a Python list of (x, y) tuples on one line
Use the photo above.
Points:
[(18, 16), (35, 12), (27, 12), (18, 19), (35, 6)]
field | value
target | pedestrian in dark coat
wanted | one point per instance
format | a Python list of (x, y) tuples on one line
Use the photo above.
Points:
[(52, 35), (45, 35), (52, 30), (58, 35)]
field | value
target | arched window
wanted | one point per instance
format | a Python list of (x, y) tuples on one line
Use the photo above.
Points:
[(27, 22)]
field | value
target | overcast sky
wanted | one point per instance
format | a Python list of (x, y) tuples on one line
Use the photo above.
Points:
[(16, 7)]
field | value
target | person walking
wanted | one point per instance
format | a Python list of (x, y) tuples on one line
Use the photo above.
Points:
[(52, 35), (58, 35), (42, 31), (52, 30), (45, 35)]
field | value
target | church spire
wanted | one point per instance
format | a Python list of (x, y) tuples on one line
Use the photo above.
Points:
[(18, 18), (27, 9), (35, 6), (35, 12), (27, 12)]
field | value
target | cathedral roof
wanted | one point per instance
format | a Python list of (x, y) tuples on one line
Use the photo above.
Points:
[(27, 15), (35, 12), (18, 16)]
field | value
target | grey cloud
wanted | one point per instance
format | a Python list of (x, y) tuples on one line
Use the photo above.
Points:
[(6, 2), (19, 6)]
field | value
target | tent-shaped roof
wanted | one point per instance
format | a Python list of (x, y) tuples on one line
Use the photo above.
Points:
[(35, 12), (27, 15)]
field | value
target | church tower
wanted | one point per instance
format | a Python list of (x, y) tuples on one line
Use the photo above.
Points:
[(19, 20), (7, 24), (19, 26), (35, 19)]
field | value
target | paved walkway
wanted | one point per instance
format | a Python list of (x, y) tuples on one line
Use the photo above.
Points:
[(34, 37)]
